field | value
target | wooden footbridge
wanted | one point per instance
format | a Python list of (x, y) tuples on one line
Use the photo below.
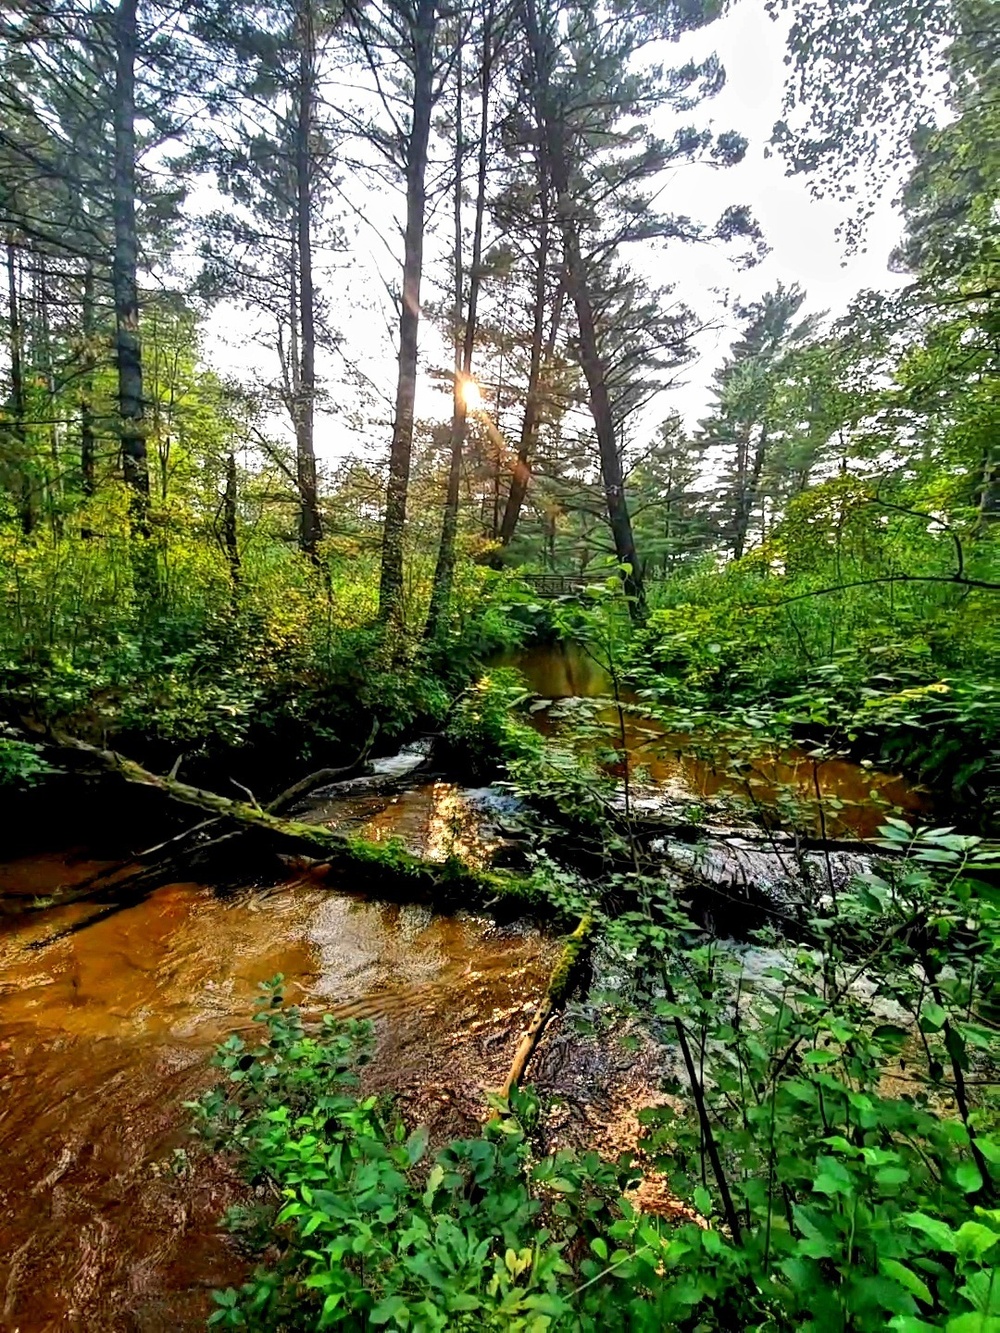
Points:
[(571, 585), (561, 585)]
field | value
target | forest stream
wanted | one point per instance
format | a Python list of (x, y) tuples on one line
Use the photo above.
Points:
[(106, 1024)]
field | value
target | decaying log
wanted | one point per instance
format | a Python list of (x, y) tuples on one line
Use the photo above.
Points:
[(453, 876), (558, 988)]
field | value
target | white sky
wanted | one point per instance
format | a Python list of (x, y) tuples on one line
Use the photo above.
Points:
[(800, 230)]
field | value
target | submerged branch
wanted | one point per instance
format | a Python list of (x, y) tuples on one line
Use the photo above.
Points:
[(558, 988)]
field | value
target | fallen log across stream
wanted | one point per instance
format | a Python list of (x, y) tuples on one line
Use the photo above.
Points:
[(450, 880)]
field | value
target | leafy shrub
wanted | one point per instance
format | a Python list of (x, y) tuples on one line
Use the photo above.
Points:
[(21, 764), (484, 730), (372, 1232)]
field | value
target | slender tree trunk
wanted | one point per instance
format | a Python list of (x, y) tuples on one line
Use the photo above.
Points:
[(391, 581), (309, 520), (124, 270), (445, 569), (88, 325), (552, 131), (750, 484), (47, 371), (540, 357), (988, 490), (21, 475), (595, 373), (229, 534)]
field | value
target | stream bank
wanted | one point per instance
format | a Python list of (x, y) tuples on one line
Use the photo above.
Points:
[(105, 1031)]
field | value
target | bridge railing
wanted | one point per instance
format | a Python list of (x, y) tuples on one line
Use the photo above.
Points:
[(561, 585), (566, 585)]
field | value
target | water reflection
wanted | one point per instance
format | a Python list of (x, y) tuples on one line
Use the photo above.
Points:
[(434, 819), (835, 796)]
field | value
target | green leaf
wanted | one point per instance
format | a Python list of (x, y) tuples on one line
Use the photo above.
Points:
[(416, 1144), (932, 1017), (937, 1231), (906, 1278), (386, 1310), (888, 1176), (973, 1322), (968, 1177), (824, 1056), (974, 1238)]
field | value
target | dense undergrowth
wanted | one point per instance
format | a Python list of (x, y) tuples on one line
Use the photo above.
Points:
[(284, 669), (809, 637), (831, 1136), (835, 1150)]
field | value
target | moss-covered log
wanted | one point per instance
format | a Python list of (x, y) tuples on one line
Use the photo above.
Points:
[(560, 981), (450, 879)]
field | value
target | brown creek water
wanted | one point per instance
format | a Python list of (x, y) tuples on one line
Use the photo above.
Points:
[(105, 1032), (835, 796), (107, 1020)]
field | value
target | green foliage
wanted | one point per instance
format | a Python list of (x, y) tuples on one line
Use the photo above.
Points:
[(485, 731), (21, 764), (835, 1145), (372, 1230), (836, 1121), (288, 657)]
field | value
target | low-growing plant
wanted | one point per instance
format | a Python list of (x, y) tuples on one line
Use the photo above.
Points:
[(372, 1230)]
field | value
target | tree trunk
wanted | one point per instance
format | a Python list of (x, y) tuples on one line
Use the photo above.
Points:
[(305, 452), (450, 880), (229, 534), (988, 491), (612, 473), (88, 449), (124, 270), (552, 131), (391, 581), (749, 485), (540, 356), (46, 375), (20, 472), (445, 569)]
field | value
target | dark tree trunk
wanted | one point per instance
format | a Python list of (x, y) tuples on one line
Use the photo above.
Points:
[(552, 132), (540, 357), (445, 568), (305, 451), (749, 486), (88, 326), (522, 465), (46, 373), (988, 490), (124, 269), (229, 536), (595, 372), (391, 581), (20, 471)]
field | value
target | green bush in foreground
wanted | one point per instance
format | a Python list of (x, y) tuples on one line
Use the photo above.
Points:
[(372, 1233)]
